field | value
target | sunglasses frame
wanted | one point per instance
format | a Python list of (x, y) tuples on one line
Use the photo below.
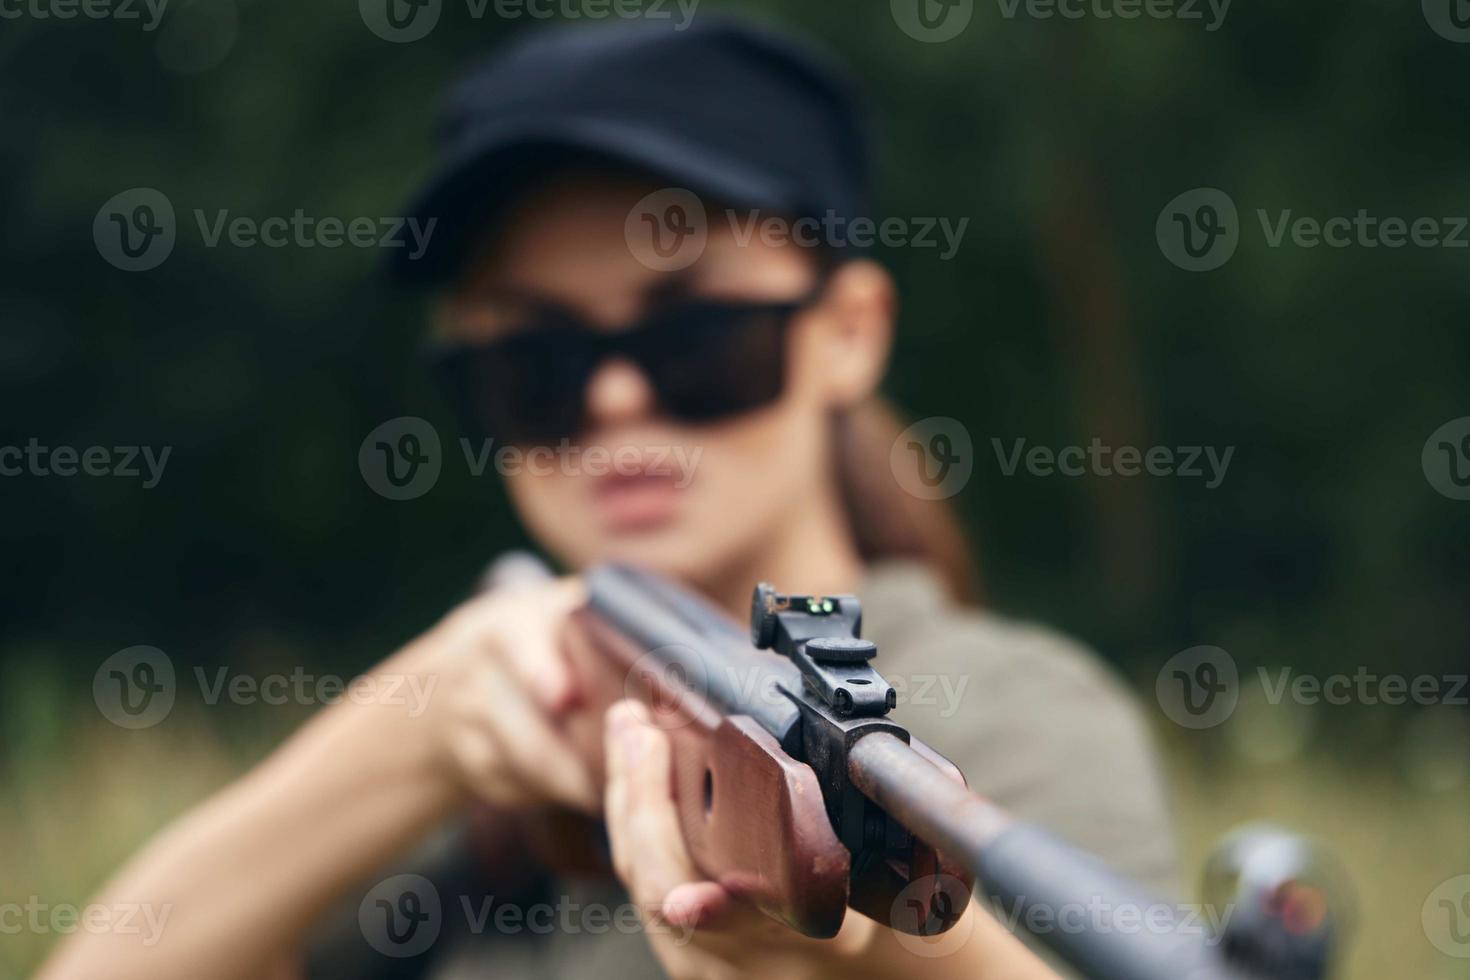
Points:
[(637, 341)]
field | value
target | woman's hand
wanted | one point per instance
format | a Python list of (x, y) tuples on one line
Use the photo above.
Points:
[(504, 691), (698, 929)]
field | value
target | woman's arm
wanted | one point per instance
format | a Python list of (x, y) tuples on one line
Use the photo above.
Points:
[(237, 882)]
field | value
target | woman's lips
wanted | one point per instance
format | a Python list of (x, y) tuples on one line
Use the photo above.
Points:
[(636, 502)]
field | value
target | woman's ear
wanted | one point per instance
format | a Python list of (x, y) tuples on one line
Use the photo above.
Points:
[(854, 331)]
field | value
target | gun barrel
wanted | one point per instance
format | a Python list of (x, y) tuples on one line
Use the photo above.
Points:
[(1096, 920)]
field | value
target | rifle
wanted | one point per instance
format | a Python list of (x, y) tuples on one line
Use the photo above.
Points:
[(797, 793)]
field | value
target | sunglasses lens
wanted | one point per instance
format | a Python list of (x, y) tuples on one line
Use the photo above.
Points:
[(710, 362), (526, 390)]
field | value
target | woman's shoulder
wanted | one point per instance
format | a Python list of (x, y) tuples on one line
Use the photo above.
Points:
[(907, 612), (1036, 720)]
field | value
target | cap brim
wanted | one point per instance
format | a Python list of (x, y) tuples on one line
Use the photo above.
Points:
[(469, 190)]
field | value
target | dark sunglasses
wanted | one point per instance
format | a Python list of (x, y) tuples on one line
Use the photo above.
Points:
[(705, 360)]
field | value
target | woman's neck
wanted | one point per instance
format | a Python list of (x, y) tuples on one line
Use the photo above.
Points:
[(814, 553)]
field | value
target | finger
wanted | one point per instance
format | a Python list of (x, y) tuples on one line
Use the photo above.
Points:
[(537, 753), (531, 644), (643, 827), (697, 905)]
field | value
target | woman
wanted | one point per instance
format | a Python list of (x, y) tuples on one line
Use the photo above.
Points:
[(572, 307)]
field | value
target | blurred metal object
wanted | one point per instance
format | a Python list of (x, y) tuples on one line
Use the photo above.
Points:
[(1288, 903)]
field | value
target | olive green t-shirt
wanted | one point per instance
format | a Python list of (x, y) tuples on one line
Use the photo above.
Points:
[(1035, 721)]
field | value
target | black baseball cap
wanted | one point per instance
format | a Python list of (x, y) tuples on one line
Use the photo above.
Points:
[(734, 112)]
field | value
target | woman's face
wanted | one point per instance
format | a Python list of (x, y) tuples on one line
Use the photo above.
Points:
[(637, 484)]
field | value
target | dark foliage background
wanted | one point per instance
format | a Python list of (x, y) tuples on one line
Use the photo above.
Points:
[(1059, 321)]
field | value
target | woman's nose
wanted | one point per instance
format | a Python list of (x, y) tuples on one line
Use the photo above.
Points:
[(619, 392)]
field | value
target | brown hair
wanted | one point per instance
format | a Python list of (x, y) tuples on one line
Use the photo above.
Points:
[(887, 521)]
